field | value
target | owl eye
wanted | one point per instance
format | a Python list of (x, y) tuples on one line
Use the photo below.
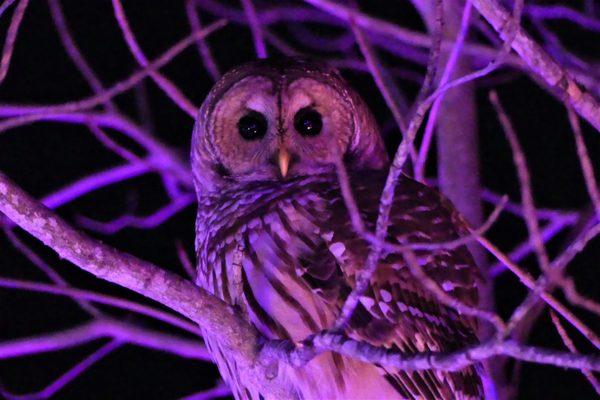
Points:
[(308, 122), (252, 126)]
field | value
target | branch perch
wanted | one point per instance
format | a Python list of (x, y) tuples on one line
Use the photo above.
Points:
[(145, 278)]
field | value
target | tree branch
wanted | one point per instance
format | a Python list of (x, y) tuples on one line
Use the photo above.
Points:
[(541, 63), (236, 335)]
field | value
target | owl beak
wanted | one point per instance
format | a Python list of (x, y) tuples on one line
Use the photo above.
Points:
[(283, 160)]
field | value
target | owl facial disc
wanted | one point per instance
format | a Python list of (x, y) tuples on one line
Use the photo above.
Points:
[(278, 119)]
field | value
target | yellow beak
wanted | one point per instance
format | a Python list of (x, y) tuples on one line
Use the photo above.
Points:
[(284, 161)]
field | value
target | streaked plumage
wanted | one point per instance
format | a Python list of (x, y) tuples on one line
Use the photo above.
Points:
[(283, 249)]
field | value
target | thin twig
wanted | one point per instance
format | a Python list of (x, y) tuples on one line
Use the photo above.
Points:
[(236, 335), (125, 332), (47, 270), (164, 83), (99, 298), (205, 52), (73, 51), (140, 222), (529, 209), (571, 346), (11, 37), (79, 368), (39, 113), (537, 289), (256, 28), (586, 164), (421, 160)]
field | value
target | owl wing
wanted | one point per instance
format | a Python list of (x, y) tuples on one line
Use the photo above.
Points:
[(397, 312)]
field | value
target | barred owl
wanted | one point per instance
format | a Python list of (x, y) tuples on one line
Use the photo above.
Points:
[(274, 238)]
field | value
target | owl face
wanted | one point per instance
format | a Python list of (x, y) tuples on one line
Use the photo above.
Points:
[(275, 120)]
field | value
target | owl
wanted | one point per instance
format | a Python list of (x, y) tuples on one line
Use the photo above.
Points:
[(275, 240)]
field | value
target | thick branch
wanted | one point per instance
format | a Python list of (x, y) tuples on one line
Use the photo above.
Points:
[(453, 361), (541, 63), (238, 337)]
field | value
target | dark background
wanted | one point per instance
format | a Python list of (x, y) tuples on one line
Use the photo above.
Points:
[(45, 156)]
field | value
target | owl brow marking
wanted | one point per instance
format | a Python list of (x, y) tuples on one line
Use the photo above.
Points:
[(278, 87)]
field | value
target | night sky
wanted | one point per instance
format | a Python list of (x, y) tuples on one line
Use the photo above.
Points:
[(45, 156)]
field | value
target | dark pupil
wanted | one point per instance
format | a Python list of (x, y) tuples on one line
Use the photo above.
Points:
[(252, 126), (308, 122)]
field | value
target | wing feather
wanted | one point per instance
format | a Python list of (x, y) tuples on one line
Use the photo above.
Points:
[(397, 311)]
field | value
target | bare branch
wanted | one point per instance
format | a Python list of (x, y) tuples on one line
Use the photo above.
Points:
[(11, 37), (255, 28), (205, 52), (300, 354), (541, 64), (102, 328), (237, 336), (444, 298), (364, 275), (525, 185), (42, 112), (73, 51), (537, 289), (68, 376), (164, 83), (586, 163), (571, 346)]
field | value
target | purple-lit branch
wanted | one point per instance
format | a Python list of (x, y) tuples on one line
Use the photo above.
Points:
[(364, 275), (448, 71), (5, 5), (300, 354), (68, 376), (161, 160), (529, 216), (104, 328), (256, 28), (47, 269), (11, 37), (205, 52), (164, 83), (562, 12), (586, 164), (40, 113), (542, 64), (73, 51), (571, 346), (111, 301), (92, 183), (537, 290), (234, 332), (134, 221)]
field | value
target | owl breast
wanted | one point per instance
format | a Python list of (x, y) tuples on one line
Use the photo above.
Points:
[(250, 245)]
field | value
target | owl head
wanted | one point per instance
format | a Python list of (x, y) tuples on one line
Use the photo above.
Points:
[(280, 119)]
